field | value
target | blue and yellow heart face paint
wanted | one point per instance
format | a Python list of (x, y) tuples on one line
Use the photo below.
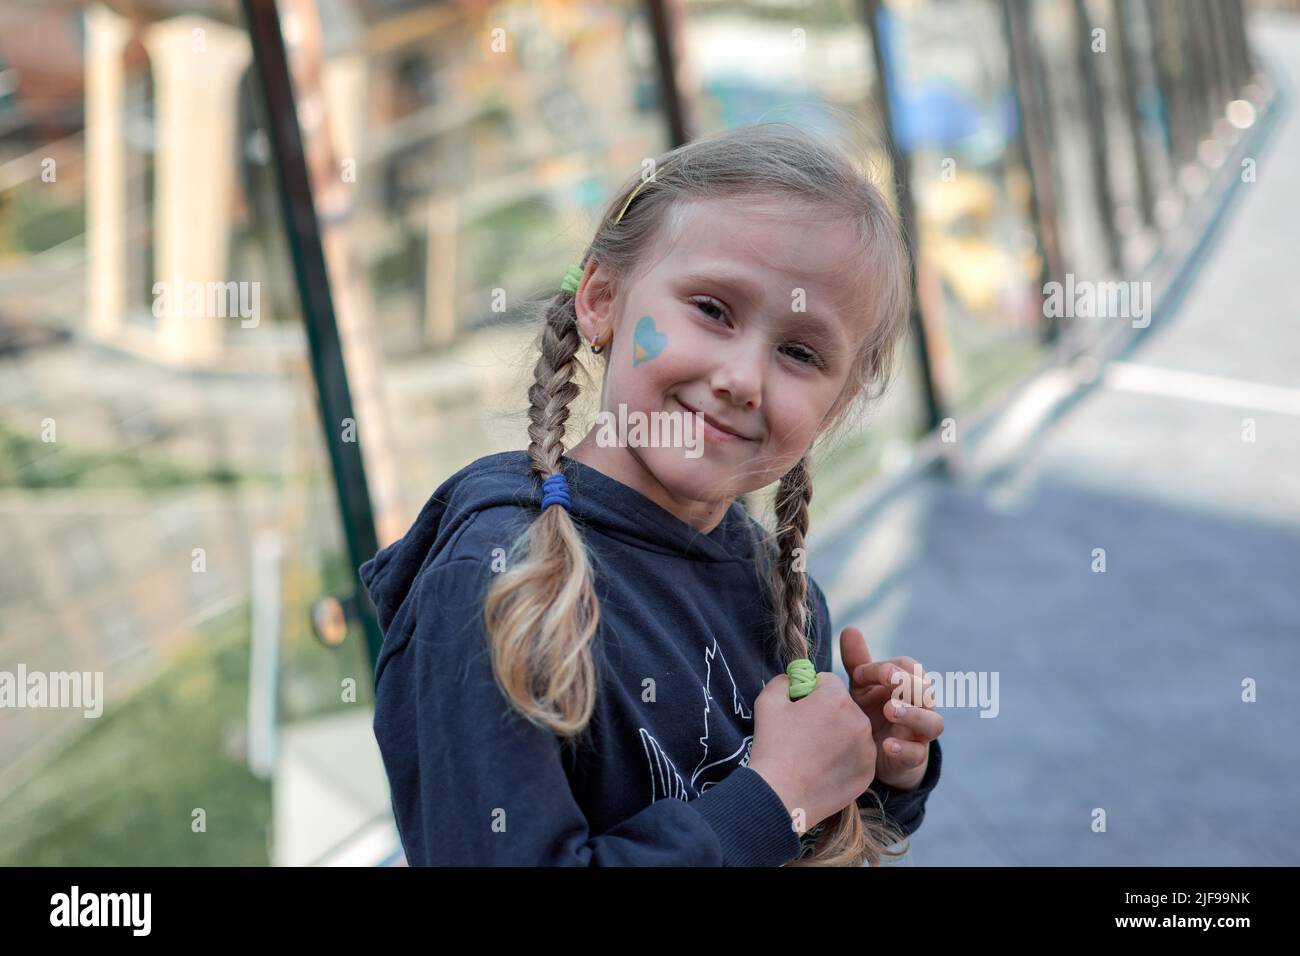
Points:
[(647, 341)]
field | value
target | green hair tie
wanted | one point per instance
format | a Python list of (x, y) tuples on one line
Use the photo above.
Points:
[(803, 678), (572, 277)]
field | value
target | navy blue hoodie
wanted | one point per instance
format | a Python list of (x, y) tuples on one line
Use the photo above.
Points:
[(686, 642)]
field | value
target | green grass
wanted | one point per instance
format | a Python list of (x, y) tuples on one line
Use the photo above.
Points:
[(123, 792), (846, 470), (28, 462), (34, 222), (987, 367)]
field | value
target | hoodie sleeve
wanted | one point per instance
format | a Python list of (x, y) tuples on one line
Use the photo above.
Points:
[(906, 808), (474, 783)]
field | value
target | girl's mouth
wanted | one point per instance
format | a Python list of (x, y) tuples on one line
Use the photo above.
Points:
[(712, 430)]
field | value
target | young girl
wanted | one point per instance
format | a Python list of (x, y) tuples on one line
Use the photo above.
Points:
[(603, 681)]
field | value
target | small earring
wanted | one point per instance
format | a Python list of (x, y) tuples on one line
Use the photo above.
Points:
[(596, 349)]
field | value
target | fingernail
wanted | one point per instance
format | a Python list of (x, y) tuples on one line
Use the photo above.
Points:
[(899, 708), (895, 747)]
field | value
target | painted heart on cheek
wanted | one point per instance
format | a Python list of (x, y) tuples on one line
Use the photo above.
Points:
[(647, 341)]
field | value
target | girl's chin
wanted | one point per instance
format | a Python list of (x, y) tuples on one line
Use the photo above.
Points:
[(698, 479)]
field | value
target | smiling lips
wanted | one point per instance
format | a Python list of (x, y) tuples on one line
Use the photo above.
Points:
[(715, 423)]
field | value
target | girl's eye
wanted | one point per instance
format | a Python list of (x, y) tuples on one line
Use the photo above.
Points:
[(803, 354), (806, 355), (711, 303)]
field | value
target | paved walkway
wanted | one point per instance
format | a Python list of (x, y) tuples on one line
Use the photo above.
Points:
[(1122, 690)]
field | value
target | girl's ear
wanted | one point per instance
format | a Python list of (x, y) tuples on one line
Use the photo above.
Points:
[(594, 301)]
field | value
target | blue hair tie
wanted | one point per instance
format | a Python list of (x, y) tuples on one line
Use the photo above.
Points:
[(555, 491)]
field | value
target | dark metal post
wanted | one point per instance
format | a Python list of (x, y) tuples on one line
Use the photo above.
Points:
[(1032, 132), (666, 25), (302, 231), (1094, 102), (1129, 82), (906, 210)]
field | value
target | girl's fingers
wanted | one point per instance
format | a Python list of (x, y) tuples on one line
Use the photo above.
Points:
[(912, 666), (876, 672), (909, 664), (910, 755), (911, 687), (926, 722), (886, 673), (900, 678)]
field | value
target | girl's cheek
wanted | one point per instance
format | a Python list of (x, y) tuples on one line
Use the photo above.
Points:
[(662, 345), (794, 427)]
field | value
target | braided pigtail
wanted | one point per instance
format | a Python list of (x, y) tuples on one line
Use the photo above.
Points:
[(855, 835), (541, 614)]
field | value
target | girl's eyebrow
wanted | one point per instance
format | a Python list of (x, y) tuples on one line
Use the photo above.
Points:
[(825, 332)]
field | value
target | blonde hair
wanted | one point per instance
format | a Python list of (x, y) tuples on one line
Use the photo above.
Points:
[(541, 615)]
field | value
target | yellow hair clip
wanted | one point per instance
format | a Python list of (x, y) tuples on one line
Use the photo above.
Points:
[(632, 196)]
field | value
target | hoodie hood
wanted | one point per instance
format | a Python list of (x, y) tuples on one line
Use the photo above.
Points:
[(599, 503)]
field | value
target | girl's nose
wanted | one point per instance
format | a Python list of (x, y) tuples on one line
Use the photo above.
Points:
[(739, 372)]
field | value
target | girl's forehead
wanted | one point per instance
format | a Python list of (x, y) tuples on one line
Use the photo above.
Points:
[(770, 246), (755, 210)]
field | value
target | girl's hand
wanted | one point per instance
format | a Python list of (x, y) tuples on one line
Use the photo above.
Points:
[(900, 704), (817, 752)]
